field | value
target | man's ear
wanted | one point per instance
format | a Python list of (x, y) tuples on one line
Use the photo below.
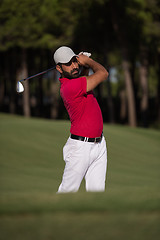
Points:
[(59, 69)]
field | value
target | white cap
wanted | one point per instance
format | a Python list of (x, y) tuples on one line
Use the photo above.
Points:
[(63, 55)]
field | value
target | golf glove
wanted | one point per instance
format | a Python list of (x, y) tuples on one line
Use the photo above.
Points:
[(85, 53)]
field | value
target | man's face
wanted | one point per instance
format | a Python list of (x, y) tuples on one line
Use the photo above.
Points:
[(71, 69)]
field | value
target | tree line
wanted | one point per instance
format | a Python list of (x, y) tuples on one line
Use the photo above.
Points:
[(124, 36)]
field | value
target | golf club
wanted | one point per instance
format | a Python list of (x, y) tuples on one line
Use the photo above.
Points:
[(20, 87)]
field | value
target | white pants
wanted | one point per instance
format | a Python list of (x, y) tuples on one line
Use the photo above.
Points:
[(84, 159)]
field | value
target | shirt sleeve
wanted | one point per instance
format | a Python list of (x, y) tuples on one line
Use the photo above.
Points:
[(76, 87)]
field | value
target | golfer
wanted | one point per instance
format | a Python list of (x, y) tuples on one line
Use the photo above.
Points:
[(85, 152)]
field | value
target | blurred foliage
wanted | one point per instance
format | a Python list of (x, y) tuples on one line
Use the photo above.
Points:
[(83, 24), (48, 23), (33, 23)]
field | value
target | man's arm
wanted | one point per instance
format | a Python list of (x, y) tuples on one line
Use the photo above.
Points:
[(100, 73)]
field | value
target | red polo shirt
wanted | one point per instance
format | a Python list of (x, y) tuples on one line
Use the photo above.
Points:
[(83, 108)]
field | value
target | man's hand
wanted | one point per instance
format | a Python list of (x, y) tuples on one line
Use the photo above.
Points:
[(83, 60), (85, 53)]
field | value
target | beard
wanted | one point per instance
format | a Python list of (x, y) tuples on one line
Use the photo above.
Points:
[(75, 73)]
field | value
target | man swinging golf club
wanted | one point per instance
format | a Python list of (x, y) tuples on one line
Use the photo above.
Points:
[(85, 152)]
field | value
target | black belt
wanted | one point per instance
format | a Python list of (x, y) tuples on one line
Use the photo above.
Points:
[(85, 139)]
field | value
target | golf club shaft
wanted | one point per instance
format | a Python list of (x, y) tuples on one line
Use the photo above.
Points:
[(38, 74)]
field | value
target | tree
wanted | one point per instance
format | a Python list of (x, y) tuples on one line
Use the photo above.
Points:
[(32, 24), (124, 45)]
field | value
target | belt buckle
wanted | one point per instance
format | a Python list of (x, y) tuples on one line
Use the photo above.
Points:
[(86, 139)]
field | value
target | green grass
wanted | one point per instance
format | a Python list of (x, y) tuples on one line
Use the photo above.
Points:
[(31, 167)]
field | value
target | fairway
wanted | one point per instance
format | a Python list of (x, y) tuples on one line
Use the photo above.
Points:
[(31, 167)]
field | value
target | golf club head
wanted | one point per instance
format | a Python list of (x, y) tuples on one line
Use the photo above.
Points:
[(20, 87)]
